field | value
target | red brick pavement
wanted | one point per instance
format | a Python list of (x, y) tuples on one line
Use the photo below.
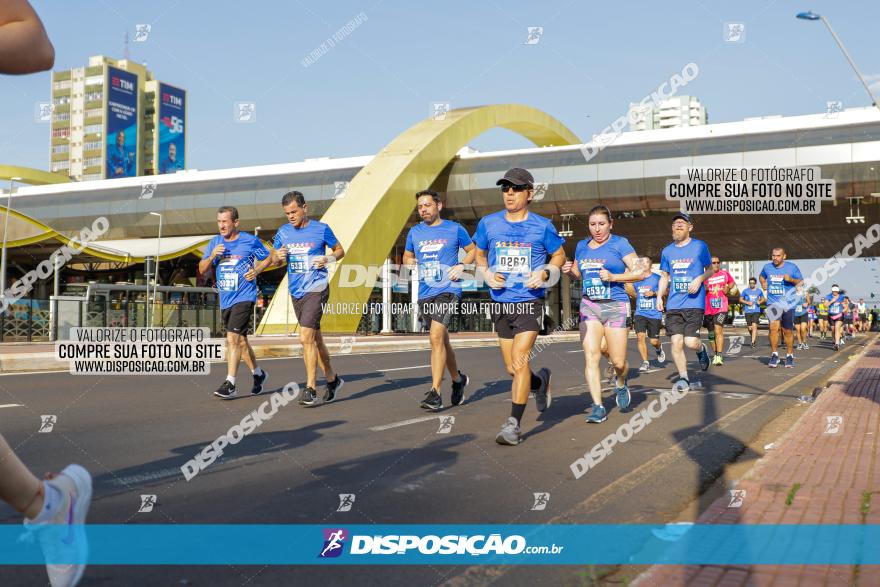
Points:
[(834, 470)]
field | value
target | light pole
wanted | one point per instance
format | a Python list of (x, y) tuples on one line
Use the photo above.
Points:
[(810, 15), (256, 282), (156, 269), (5, 232)]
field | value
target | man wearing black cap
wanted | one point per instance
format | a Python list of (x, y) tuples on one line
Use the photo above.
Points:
[(512, 250), (685, 264)]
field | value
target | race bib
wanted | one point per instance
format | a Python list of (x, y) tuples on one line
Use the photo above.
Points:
[(835, 309), (680, 284), (799, 309), (227, 276), (646, 304), (594, 288), (430, 271), (298, 259), (777, 285), (715, 303), (513, 259)]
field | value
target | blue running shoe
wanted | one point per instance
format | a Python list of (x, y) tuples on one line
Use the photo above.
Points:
[(623, 397), (598, 415), (703, 356), (774, 361), (789, 362)]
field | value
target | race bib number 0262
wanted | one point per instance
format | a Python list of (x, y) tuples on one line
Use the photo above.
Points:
[(514, 259)]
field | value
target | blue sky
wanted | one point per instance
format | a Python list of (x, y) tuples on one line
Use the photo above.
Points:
[(592, 60)]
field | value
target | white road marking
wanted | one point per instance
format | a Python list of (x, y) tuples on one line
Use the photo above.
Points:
[(403, 368), (403, 423), (11, 406)]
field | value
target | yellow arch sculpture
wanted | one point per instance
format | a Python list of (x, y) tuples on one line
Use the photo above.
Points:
[(379, 199), (31, 176), (24, 230)]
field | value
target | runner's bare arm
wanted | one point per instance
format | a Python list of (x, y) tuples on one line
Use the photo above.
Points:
[(24, 45), (409, 258)]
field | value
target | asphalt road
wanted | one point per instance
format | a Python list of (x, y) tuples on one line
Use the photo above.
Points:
[(133, 433)]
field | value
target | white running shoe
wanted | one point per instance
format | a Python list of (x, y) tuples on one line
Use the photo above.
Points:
[(63, 537)]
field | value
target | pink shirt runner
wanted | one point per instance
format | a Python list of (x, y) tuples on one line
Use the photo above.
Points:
[(716, 299)]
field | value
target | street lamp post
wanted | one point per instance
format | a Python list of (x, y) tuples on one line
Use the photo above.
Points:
[(810, 15), (5, 232), (156, 268)]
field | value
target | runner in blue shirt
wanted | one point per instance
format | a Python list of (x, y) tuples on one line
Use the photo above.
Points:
[(433, 245), (302, 245), (751, 299), (605, 263), (779, 278), (835, 302), (647, 318), (801, 318), (684, 265), (512, 250), (231, 255)]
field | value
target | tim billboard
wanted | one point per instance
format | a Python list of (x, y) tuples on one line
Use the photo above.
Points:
[(122, 123), (172, 125)]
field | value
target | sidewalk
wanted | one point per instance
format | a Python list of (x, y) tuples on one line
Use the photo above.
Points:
[(837, 468), (21, 357)]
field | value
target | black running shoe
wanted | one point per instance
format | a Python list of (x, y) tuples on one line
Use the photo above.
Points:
[(432, 401), (458, 389), (333, 389), (309, 398), (543, 397), (259, 380), (226, 390)]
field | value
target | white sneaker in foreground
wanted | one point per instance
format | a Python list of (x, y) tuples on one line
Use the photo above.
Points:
[(63, 537)]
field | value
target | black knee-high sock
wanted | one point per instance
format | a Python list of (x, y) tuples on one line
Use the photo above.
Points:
[(516, 411)]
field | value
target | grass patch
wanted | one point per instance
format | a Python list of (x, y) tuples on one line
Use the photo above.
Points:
[(866, 503), (791, 492)]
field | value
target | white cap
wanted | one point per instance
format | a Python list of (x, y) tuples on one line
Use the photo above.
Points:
[(835, 289)]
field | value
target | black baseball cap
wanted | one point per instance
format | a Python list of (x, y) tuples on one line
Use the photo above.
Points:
[(686, 217), (517, 176)]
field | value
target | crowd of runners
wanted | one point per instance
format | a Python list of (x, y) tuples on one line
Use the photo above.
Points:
[(518, 254)]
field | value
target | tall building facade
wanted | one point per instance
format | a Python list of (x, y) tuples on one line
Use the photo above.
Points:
[(112, 118), (673, 112)]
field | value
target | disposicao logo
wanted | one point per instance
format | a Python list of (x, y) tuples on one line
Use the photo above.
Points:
[(334, 541)]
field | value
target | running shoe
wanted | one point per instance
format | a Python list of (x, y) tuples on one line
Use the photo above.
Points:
[(543, 397), (661, 356), (226, 390), (622, 397), (774, 361), (789, 362), (703, 356), (645, 366), (432, 401), (681, 385), (598, 415), (63, 537), (716, 360), (509, 433), (836, 347), (259, 380), (806, 347), (458, 389), (333, 388), (309, 398)]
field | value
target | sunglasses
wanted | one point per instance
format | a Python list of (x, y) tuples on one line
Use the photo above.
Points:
[(516, 188)]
